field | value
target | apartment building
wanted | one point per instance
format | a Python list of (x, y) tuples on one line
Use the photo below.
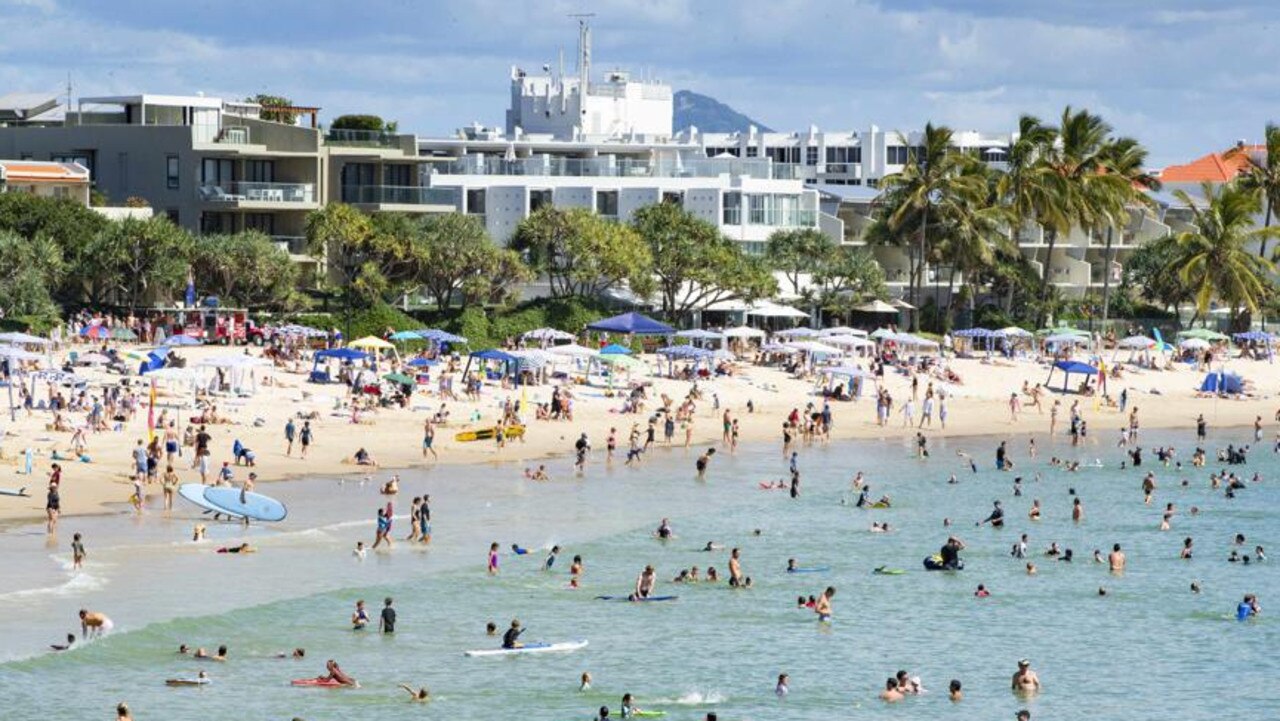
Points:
[(69, 181)]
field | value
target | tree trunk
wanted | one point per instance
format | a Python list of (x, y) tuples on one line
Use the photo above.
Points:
[(951, 300), (1262, 251), (1106, 281), (919, 285), (1045, 274)]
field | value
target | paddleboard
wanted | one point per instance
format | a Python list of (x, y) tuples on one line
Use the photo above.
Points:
[(812, 569), (256, 506), (636, 600), (889, 571), (321, 682), (648, 714), (186, 681), (21, 492), (194, 492), (563, 647), (487, 434)]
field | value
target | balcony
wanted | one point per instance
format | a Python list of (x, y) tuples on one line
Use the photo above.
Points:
[(400, 195), (240, 193), (291, 244), (621, 167), (362, 139), (783, 218)]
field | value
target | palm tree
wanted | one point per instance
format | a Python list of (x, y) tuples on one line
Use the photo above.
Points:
[(1214, 260), (973, 229), (1125, 158), (931, 176), (1029, 189), (1263, 176)]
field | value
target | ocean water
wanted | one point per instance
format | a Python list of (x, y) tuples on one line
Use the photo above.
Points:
[(1150, 649)]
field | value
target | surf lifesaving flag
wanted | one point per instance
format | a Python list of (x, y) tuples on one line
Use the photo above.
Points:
[(151, 414)]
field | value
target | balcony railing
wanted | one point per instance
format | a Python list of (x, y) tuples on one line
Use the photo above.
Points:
[(400, 195), (291, 244), (785, 218), (242, 191), (362, 139), (546, 165)]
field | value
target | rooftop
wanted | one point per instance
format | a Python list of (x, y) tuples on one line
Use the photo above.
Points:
[(1218, 167), (35, 171)]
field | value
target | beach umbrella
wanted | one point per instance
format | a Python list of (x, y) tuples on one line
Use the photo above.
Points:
[(182, 340), (901, 304), (399, 378), (15, 353), (1193, 343), (1138, 342), (615, 349), (547, 334), (96, 331), (406, 335), (572, 349), (23, 339), (1203, 334), (881, 334), (122, 333), (801, 332), (441, 336), (420, 362), (92, 359), (744, 331), (773, 310), (370, 341), (876, 306), (621, 361)]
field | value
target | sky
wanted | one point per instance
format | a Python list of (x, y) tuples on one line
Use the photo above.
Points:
[(1185, 78)]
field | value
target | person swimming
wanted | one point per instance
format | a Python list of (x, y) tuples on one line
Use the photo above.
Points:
[(664, 531)]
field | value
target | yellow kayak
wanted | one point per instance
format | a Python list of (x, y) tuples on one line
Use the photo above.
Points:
[(488, 434)]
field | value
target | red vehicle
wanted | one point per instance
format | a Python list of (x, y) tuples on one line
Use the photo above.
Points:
[(224, 326)]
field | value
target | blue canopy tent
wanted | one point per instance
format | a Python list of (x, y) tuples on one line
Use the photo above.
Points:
[(1067, 368), (684, 352), (633, 323), (155, 360), (974, 334), (1222, 383), (510, 363), (420, 362), (345, 355), (1256, 336)]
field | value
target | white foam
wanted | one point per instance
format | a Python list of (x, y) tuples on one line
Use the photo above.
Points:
[(79, 583)]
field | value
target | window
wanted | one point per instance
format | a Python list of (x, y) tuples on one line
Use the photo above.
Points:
[(674, 197), (216, 172), (400, 175), (539, 198), (896, 154), (260, 171), (732, 209), (262, 222), (171, 171), (475, 201), (83, 157), (810, 156), (783, 155), (607, 203), (172, 215), (714, 151), (752, 151)]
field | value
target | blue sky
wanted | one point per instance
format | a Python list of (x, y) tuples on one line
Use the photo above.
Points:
[(1183, 77)]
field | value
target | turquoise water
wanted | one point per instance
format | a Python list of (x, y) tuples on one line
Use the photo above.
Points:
[(1150, 649)]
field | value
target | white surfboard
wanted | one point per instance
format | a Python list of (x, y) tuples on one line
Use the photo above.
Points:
[(563, 647)]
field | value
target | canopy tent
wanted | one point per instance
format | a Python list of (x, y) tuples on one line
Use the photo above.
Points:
[(372, 342), (881, 334), (848, 341), (300, 331), (405, 335), (573, 350), (621, 361), (420, 362), (632, 323), (973, 333), (800, 332), (813, 347), (744, 331), (849, 372), (237, 371), (699, 334), (13, 352), (92, 359), (1066, 338), (1013, 331), (343, 354), (779, 348), (1064, 330), (23, 339), (877, 306), (615, 349), (909, 340), (176, 375), (1222, 383), (773, 310), (1069, 367), (1203, 334), (683, 351), (1137, 342), (547, 334), (842, 330), (856, 377), (494, 354), (1254, 336)]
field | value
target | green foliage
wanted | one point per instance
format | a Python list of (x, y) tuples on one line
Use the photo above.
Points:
[(135, 258), (799, 251), (1214, 259), (377, 318), (269, 101), (371, 123), (582, 254), (28, 270), (245, 269), (456, 257), (694, 264)]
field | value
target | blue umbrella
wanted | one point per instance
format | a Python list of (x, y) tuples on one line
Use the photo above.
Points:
[(182, 340), (615, 349), (419, 362)]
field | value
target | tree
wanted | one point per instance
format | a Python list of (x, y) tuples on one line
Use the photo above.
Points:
[(455, 253), (971, 228), (274, 101), (693, 264), (70, 225), (850, 277), (582, 254), (1263, 175), (29, 270), (1215, 260), (245, 268), (371, 123), (1125, 157), (933, 175), (798, 251), (1152, 274), (133, 258), (369, 256)]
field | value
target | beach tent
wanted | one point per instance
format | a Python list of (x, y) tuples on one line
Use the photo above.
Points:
[(773, 310), (633, 323), (573, 350), (801, 332), (779, 348), (744, 331), (699, 334), (23, 339), (876, 306), (881, 334), (1222, 382), (494, 354), (547, 335), (1137, 342), (1193, 344), (344, 355), (842, 330), (1013, 331), (420, 362), (11, 352), (1067, 368), (1256, 336)]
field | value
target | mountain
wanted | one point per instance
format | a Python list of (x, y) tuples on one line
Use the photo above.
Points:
[(709, 115)]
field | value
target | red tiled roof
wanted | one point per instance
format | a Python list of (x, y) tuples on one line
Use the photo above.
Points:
[(1214, 167)]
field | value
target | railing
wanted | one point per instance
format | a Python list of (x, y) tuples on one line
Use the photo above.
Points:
[(291, 244), (400, 195), (546, 165), (233, 135), (241, 191), (362, 138), (787, 218)]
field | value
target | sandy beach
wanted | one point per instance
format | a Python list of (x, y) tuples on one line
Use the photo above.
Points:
[(979, 405)]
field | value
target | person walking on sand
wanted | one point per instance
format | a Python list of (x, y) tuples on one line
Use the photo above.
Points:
[(428, 439), (305, 438), (290, 430)]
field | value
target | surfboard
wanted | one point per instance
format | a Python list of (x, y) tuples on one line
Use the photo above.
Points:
[(194, 492), (186, 681), (256, 506), (562, 647), (811, 569), (883, 571), (21, 492), (487, 434), (628, 599), (321, 682)]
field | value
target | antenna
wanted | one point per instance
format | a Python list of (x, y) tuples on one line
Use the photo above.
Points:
[(64, 115), (584, 48)]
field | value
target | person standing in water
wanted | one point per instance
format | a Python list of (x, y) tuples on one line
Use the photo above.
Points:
[(701, 463), (1025, 681), (822, 607)]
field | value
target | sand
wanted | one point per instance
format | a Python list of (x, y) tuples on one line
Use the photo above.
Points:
[(978, 406)]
